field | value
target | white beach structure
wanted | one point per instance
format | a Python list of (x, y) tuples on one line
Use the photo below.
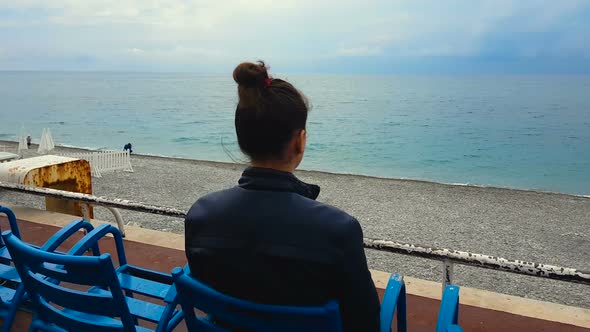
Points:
[(22, 141), (22, 144), (46, 143)]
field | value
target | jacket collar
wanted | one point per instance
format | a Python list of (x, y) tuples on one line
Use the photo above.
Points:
[(273, 180)]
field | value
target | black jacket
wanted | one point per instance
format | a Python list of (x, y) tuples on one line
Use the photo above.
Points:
[(267, 240)]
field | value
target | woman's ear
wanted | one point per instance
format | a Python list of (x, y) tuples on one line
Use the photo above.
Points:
[(301, 141)]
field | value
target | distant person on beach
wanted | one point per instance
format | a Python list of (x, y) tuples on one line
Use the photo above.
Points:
[(267, 239), (128, 147), (28, 141)]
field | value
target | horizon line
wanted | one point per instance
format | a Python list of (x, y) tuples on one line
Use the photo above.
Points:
[(339, 73)]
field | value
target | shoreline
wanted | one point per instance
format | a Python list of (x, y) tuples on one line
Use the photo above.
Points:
[(224, 163)]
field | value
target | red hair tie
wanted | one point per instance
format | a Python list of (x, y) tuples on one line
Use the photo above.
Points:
[(267, 83)]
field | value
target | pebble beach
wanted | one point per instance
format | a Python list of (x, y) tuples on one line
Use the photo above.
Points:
[(547, 228)]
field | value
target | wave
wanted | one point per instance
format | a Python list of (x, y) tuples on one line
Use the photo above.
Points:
[(186, 139), (91, 148), (437, 161)]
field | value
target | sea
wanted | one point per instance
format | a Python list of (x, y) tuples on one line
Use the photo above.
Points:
[(525, 132)]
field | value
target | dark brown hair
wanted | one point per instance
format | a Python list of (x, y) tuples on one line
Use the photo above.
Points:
[(269, 112)]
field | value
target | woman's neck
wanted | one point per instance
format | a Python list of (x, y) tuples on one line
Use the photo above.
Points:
[(276, 165)]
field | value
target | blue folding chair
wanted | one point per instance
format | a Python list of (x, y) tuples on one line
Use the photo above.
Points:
[(75, 293), (137, 280), (448, 315), (192, 294), (12, 293)]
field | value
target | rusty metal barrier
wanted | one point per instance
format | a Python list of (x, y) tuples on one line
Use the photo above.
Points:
[(447, 256)]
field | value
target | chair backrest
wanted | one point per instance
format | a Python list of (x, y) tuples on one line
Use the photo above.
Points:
[(394, 301), (86, 287), (223, 310)]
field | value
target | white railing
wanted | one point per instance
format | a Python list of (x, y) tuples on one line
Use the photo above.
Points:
[(447, 256), (8, 148), (105, 161)]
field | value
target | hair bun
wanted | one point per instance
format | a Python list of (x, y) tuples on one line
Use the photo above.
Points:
[(250, 75)]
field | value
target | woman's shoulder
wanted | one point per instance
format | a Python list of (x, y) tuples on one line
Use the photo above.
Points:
[(212, 200), (336, 220), (300, 209)]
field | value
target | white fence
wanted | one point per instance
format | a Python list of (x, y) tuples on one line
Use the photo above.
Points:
[(105, 161), (8, 148)]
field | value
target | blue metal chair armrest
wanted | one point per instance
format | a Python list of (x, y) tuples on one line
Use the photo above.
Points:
[(57, 239), (454, 328), (91, 240), (171, 295), (64, 233), (449, 309), (394, 297), (11, 221)]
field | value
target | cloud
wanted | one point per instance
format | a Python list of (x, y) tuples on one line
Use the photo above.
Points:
[(359, 51), (135, 51), (209, 34)]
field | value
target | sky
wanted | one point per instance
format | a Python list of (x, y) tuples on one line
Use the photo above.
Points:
[(309, 36)]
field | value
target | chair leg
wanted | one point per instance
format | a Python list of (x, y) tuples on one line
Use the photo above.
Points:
[(16, 300), (402, 325), (7, 322), (456, 317), (168, 316)]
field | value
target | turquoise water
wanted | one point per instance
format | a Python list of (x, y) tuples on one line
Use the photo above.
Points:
[(529, 132)]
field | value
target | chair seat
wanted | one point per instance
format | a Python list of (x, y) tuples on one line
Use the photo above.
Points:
[(8, 273), (145, 310), (100, 319), (4, 256), (141, 309), (143, 286), (6, 295)]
